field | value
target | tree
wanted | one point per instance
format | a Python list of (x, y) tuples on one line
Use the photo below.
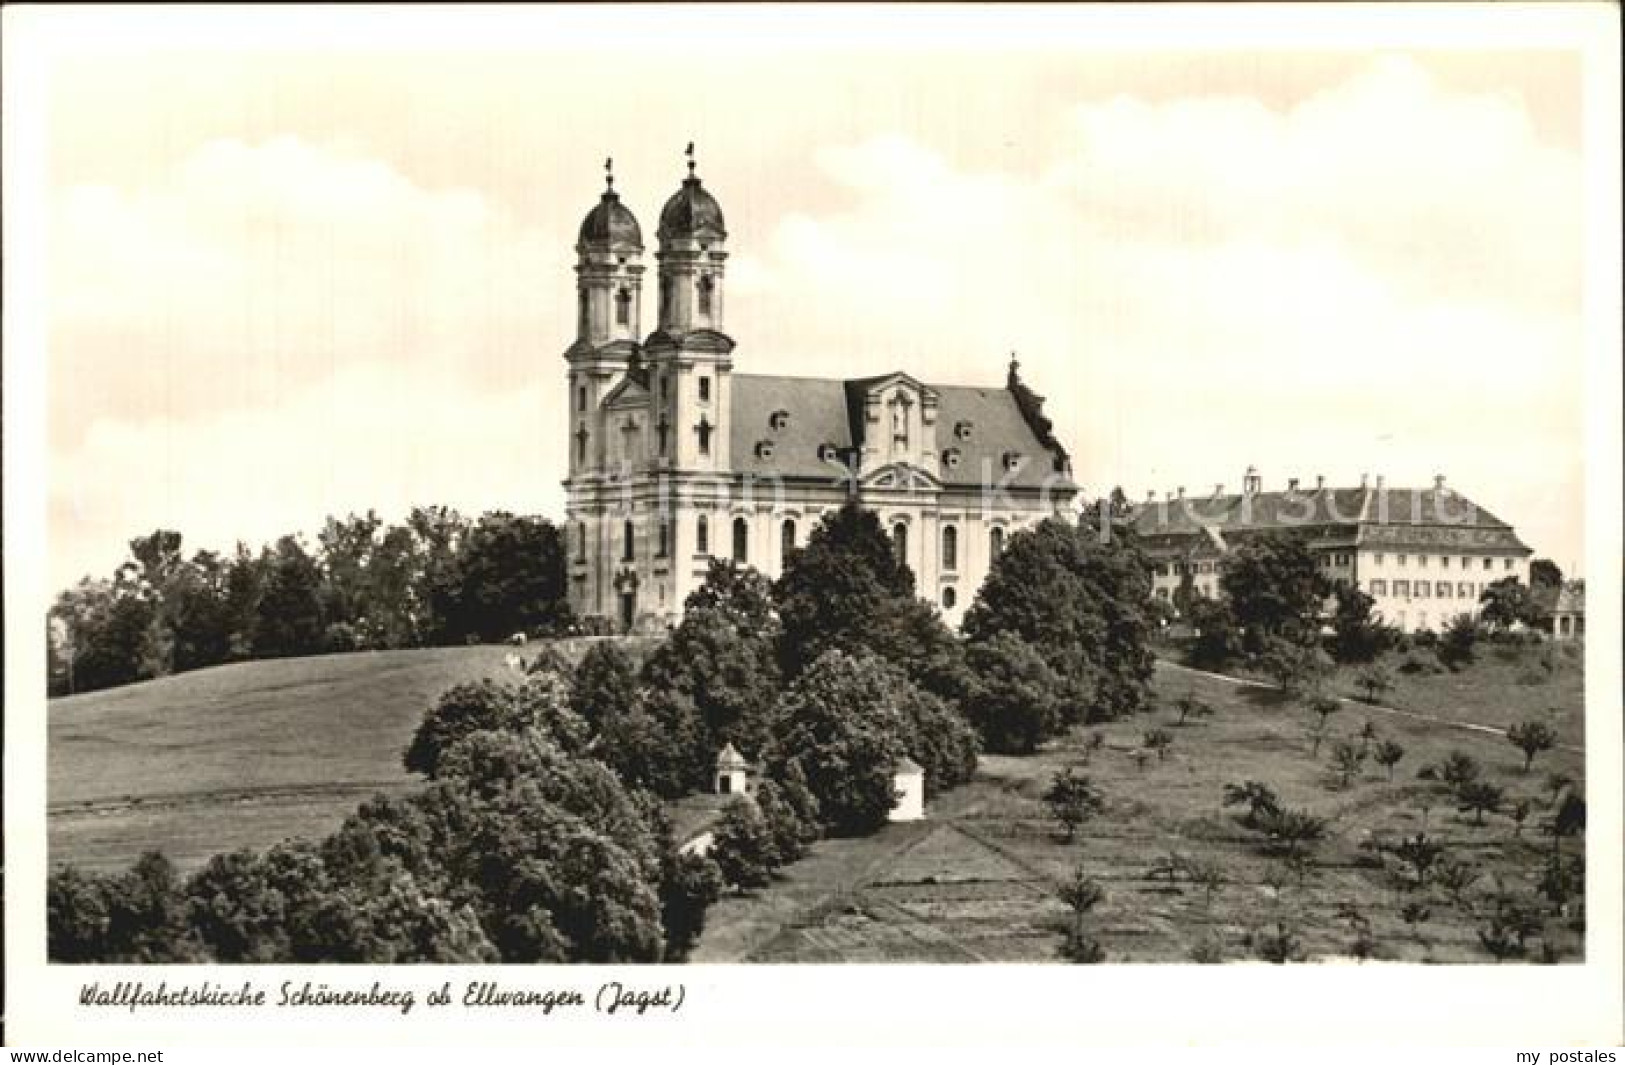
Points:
[(1347, 758), (1295, 667), (1189, 706), (1260, 800), (723, 657), (1275, 589), (1081, 599), (1072, 800), (1544, 573), (1421, 854), (1358, 636), (1016, 701), (1291, 833), (834, 587), (1388, 755), (289, 617), (1457, 641), (841, 727), (539, 702), (1480, 797), (1375, 681), (742, 846), (1323, 709), (689, 885), (1532, 738), (939, 738), (1506, 603), (1081, 894), (1218, 637), (1570, 820), (508, 577), (789, 836), (605, 684), (1458, 770)]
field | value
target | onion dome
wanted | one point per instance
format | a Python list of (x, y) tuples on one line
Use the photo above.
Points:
[(610, 224), (692, 213)]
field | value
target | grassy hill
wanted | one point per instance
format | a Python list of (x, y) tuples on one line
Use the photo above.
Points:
[(239, 755)]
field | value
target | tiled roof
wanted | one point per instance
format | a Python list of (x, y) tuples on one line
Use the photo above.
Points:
[(829, 411), (1354, 510)]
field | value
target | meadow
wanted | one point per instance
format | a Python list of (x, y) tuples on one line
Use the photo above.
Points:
[(241, 755)]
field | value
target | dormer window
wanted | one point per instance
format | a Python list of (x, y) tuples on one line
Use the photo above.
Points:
[(951, 457), (828, 453), (764, 449), (962, 430), (778, 420), (1012, 460)]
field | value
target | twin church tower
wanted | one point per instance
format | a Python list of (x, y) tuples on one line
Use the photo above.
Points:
[(675, 459)]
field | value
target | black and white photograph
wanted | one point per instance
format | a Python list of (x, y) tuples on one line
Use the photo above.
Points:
[(866, 487)]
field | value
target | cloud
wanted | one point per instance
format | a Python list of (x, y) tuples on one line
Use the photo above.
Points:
[(259, 267), (1383, 277), (375, 436)]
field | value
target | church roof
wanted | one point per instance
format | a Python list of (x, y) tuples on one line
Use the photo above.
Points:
[(829, 411), (692, 212), (610, 223)]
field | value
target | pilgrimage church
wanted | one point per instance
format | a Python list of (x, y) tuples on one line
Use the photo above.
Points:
[(676, 458)]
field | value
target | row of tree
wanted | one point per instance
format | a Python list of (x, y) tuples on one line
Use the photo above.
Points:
[(1273, 612), (439, 578)]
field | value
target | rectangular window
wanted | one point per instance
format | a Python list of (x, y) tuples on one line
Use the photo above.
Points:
[(705, 390), (1464, 590), (1488, 562), (1442, 590), (1466, 562), (1421, 589), (1402, 589), (1508, 564), (1399, 560), (1421, 562), (1379, 587), (1444, 561), (1377, 558)]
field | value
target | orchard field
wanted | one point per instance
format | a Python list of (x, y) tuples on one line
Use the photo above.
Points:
[(977, 880)]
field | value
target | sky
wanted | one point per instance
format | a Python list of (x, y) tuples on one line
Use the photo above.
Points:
[(290, 282)]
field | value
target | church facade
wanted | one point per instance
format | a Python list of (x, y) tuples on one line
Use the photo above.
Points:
[(676, 457)]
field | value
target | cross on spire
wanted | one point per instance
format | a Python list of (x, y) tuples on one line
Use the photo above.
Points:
[(609, 172), (689, 151)]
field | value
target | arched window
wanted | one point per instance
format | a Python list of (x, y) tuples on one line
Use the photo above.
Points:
[(623, 307), (627, 537), (581, 398), (996, 542), (741, 540), (581, 541), (706, 285), (581, 444), (949, 598), (899, 541), (581, 311), (787, 542), (664, 542), (950, 547), (702, 536)]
